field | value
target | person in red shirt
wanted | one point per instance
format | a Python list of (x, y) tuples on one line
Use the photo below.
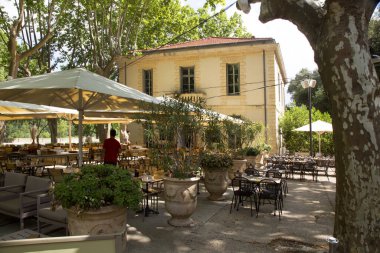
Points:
[(111, 149)]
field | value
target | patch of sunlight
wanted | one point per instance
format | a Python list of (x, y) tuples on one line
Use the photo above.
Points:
[(139, 238)]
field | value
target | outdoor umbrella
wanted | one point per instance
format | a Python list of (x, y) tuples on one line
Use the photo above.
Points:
[(76, 89), (319, 127), (206, 112), (15, 110), (23, 111)]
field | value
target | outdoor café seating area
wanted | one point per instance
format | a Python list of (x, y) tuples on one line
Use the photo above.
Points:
[(291, 165), (260, 188)]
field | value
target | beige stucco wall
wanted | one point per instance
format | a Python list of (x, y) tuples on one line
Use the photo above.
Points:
[(210, 79)]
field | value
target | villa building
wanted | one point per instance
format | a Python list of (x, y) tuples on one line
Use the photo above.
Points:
[(243, 76)]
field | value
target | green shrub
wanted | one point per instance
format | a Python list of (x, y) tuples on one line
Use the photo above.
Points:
[(215, 161), (252, 151), (96, 186)]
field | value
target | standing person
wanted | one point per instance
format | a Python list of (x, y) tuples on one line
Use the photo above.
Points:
[(127, 138), (111, 149)]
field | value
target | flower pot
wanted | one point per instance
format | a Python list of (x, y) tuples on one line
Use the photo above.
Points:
[(238, 166), (106, 220), (180, 200), (216, 183)]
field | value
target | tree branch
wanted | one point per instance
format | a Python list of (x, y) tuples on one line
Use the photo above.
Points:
[(307, 15), (37, 46)]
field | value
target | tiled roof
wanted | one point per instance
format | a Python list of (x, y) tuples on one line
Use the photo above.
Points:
[(212, 41)]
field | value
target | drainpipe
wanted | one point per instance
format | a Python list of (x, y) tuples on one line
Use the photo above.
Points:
[(265, 98)]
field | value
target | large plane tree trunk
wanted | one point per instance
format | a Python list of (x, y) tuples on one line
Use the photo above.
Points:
[(349, 77), (338, 32)]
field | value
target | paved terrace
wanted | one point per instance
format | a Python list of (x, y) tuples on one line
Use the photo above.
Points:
[(307, 220)]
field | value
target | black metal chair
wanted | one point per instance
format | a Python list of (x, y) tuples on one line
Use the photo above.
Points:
[(270, 190), (243, 190), (250, 171), (273, 173), (322, 165)]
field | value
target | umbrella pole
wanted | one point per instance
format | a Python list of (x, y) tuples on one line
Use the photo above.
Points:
[(80, 130), (70, 125), (319, 140)]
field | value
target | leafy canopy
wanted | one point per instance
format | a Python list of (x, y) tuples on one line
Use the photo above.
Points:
[(294, 141)]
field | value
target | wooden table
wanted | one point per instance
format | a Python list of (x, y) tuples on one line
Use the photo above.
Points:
[(66, 156)]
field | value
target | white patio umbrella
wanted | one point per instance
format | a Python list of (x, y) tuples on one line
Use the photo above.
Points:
[(76, 89), (220, 116), (15, 110), (24, 111), (319, 127)]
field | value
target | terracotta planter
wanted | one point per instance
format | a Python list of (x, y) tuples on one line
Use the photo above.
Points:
[(238, 166), (106, 220), (216, 183), (180, 200)]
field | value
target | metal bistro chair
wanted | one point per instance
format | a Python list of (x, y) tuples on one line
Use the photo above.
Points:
[(274, 173), (243, 189), (271, 191)]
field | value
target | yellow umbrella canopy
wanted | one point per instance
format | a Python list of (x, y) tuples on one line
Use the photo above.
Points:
[(76, 89)]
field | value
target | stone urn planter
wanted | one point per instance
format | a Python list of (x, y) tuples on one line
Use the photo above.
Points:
[(97, 198), (106, 220), (216, 182), (238, 166), (180, 200), (251, 160)]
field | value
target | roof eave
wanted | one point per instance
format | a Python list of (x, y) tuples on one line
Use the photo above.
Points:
[(240, 43)]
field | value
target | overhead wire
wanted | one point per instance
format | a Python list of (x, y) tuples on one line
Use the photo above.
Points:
[(147, 53), (177, 37)]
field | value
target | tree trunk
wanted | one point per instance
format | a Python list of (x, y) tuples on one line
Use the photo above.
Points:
[(349, 78), (101, 130), (53, 127), (2, 131), (338, 32)]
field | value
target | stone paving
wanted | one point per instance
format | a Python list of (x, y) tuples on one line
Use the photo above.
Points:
[(307, 220)]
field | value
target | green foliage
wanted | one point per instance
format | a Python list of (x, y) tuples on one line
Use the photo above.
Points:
[(252, 151), (172, 128), (96, 186), (300, 95), (374, 33), (215, 161), (4, 56), (241, 135), (294, 141)]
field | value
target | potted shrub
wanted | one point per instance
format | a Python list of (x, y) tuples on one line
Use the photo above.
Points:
[(240, 136), (250, 155), (96, 199), (172, 128), (239, 163), (216, 167)]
